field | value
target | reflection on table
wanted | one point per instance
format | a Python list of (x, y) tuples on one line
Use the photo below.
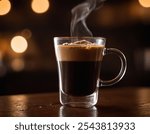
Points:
[(112, 102)]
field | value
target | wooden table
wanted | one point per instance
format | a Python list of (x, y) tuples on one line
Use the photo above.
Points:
[(124, 102)]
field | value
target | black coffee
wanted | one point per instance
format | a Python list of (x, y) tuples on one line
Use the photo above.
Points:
[(79, 78)]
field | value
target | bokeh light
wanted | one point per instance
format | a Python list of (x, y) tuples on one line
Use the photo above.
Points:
[(145, 3), (19, 44), (40, 6), (17, 64), (26, 33), (5, 7)]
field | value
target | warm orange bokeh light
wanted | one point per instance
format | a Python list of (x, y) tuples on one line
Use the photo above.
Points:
[(40, 6), (17, 64), (145, 3), (19, 44), (5, 7)]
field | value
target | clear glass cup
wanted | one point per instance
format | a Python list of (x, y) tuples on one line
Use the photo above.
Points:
[(79, 66)]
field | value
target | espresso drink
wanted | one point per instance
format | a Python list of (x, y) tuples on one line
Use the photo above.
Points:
[(79, 67)]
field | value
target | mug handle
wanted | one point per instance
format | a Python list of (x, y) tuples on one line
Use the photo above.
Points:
[(122, 69)]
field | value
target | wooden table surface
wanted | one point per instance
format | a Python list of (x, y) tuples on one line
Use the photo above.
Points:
[(124, 102)]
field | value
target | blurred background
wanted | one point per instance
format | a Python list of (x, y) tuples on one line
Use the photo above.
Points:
[(27, 28)]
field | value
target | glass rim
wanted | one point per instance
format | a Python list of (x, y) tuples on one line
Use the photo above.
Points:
[(81, 37)]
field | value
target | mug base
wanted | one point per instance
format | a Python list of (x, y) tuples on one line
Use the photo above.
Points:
[(79, 101)]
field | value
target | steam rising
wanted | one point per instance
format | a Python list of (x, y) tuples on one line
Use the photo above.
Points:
[(79, 15)]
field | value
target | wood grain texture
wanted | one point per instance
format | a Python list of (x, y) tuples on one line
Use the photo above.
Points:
[(113, 102)]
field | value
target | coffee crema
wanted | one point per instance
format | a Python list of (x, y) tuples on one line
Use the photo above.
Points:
[(79, 52)]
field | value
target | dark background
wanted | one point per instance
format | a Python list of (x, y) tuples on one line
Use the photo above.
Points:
[(125, 24)]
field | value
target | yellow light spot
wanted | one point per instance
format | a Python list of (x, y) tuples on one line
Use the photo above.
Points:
[(40, 6), (145, 3), (19, 44), (5, 7)]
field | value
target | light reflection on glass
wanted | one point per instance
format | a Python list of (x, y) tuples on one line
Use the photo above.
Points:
[(5, 7), (40, 6), (18, 105)]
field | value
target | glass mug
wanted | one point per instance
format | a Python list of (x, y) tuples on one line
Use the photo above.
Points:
[(79, 61)]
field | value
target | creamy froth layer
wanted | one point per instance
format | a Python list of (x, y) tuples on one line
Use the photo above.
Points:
[(79, 52)]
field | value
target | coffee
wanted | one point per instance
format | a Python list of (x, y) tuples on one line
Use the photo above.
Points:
[(79, 60), (79, 67), (79, 78)]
